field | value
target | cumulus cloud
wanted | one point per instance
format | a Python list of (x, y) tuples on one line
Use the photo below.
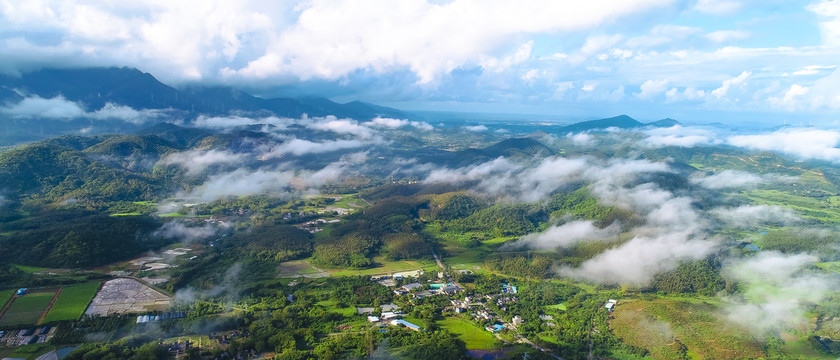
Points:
[(185, 232), (398, 123), (37, 107), (651, 88), (638, 260), (342, 126), (225, 122), (729, 83), (778, 290), (753, 216), (299, 147), (476, 128), (63, 109), (242, 182), (681, 136), (196, 161), (737, 179), (564, 235), (806, 143), (276, 182)]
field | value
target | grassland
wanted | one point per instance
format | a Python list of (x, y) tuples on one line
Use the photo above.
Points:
[(661, 325), (30, 269), (332, 306), (27, 309), (474, 337), (807, 206), (5, 295), (72, 302)]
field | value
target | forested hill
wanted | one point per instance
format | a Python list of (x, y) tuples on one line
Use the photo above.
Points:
[(621, 122), (95, 87)]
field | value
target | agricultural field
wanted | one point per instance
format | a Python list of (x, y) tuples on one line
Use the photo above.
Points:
[(72, 302), (27, 309), (672, 329), (475, 338), (807, 206), (5, 295)]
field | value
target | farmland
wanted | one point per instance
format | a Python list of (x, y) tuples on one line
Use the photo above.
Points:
[(27, 309), (72, 302)]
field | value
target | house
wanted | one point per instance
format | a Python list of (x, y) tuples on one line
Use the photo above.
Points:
[(389, 315), (364, 310), (21, 291), (406, 324), (517, 320), (451, 289), (546, 317), (373, 318), (509, 289), (610, 305), (412, 286), (389, 307)]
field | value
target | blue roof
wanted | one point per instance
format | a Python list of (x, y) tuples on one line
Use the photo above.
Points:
[(752, 247), (408, 324)]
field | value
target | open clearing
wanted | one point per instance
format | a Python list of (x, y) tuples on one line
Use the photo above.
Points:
[(72, 302), (659, 324), (298, 268), (383, 267), (27, 309), (123, 295), (474, 337)]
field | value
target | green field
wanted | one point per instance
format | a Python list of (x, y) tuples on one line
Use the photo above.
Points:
[(30, 269), (5, 295), (27, 309), (332, 306), (833, 266), (806, 206), (72, 302), (474, 337)]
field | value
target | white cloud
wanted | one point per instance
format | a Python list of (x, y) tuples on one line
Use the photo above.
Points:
[(397, 123), (813, 69), (829, 12), (727, 84), (800, 142), (127, 114), (184, 232), (475, 128), (196, 161), (737, 179), (565, 235), (63, 109), (792, 99), (300, 147), (651, 88), (723, 36), (242, 182), (778, 290), (755, 216), (37, 107), (342, 126), (638, 260), (224, 122), (717, 7)]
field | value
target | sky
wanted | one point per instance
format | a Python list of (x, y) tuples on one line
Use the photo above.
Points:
[(764, 61)]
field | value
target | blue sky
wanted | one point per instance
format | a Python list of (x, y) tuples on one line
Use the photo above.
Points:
[(733, 61)]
